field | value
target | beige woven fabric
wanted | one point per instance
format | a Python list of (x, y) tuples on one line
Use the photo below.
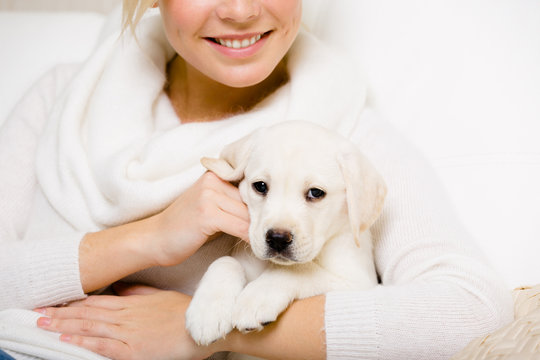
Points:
[(519, 340)]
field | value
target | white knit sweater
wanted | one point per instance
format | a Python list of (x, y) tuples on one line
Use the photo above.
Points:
[(84, 151)]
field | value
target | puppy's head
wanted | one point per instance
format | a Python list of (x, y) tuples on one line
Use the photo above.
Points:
[(303, 185)]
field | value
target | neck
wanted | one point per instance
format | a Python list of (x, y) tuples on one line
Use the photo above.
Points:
[(197, 98)]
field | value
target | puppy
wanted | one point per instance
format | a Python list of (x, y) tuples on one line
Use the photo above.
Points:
[(312, 197)]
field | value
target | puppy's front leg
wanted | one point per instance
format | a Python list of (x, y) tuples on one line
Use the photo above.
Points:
[(209, 315), (266, 297)]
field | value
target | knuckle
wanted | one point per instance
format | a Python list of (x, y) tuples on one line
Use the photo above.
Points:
[(87, 325), (117, 350), (93, 300), (206, 180), (102, 346), (77, 340), (84, 313), (206, 206), (89, 301), (50, 312), (207, 194), (210, 177), (211, 180)]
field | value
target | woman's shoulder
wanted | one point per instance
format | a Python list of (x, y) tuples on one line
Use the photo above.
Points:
[(55, 80), (324, 85), (38, 101)]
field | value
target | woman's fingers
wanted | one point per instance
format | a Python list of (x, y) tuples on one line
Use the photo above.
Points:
[(234, 226), (124, 333), (233, 207), (222, 209), (83, 327), (97, 329), (229, 189), (209, 206), (235, 221), (225, 196), (80, 312)]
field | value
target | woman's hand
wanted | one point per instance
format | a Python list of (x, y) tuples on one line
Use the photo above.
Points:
[(209, 206), (145, 323)]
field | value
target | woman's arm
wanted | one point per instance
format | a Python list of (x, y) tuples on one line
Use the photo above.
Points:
[(41, 271), (150, 323), (437, 292), (298, 334), (47, 270), (208, 207)]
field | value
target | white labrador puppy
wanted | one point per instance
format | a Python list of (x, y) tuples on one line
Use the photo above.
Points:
[(312, 197)]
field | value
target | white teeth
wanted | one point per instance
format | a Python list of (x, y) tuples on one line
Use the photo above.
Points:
[(239, 44)]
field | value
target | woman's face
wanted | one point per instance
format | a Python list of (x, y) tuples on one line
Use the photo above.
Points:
[(235, 42)]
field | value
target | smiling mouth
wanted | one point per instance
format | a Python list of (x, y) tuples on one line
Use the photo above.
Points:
[(239, 43)]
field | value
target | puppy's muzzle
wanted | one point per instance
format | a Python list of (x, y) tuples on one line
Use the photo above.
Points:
[(278, 240)]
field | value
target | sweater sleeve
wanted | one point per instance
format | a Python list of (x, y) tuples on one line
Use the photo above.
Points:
[(38, 271), (437, 292)]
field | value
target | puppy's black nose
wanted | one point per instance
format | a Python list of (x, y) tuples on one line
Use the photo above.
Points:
[(278, 240)]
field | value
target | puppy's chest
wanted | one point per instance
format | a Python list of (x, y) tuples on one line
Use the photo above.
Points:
[(253, 266), (353, 263)]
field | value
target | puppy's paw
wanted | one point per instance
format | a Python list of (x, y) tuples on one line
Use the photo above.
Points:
[(210, 319), (256, 308), (209, 316)]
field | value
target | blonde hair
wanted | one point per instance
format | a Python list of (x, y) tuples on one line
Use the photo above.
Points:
[(133, 11)]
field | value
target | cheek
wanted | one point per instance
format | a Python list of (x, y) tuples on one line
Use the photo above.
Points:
[(257, 231), (284, 10), (183, 12), (182, 20), (327, 219), (290, 18), (289, 14), (255, 209)]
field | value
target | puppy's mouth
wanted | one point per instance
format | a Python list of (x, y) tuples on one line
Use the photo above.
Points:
[(282, 260)]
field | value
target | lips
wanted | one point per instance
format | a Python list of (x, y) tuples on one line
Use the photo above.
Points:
[(239, 42)]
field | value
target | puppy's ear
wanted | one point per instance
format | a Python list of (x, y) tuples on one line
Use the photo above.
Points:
[(365, 190), (233, 159)]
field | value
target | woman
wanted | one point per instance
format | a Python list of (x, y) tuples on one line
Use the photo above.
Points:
[(104, 184)]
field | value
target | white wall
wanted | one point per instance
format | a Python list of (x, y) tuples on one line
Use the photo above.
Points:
[(103, 6)]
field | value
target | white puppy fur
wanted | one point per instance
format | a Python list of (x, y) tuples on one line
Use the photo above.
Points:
[(312, 197)]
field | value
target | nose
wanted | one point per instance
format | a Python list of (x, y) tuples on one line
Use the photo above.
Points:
[(239, 10), (278, 240)]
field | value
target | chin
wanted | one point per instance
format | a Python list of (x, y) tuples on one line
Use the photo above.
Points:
[(247, 76)]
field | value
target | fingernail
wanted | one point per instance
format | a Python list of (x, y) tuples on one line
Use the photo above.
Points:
[(65, 338), (44, 321), (41, 310)]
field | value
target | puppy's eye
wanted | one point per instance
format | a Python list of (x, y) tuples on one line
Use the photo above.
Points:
[(260, 187), (315, 194)]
